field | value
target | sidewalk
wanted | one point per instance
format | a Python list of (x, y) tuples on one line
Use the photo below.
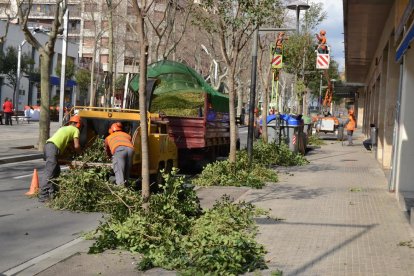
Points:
[(18, 142), (336, 218)]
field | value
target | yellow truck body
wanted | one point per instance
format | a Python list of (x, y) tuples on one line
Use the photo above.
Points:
[(163, 153)]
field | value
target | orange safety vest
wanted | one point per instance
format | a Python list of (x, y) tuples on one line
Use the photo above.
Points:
[(351, 124), (118, 138)]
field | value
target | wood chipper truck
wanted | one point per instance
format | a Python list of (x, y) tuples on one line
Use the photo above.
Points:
[(162, 149)]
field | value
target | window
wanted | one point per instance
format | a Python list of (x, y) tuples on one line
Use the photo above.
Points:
[(89, 25), (91, 7)]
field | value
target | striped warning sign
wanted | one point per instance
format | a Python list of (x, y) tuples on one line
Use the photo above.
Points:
[(277, 61), (294, 140), (322, 61)]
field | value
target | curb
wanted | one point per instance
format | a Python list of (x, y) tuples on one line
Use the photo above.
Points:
[(20, 158)]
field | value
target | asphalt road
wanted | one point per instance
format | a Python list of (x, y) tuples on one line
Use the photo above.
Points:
[(28, 229)]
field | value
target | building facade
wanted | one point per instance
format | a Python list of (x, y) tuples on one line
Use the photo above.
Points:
[(29, 88), (378, 54)]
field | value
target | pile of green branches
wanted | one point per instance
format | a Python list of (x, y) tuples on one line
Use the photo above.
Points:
[(241, 173), (87, 189), (315, 140), (178, 104), (174, 234), (171, 231), (274, 154)]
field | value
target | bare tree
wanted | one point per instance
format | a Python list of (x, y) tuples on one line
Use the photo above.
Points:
[(168, 24), (141, 11), (6, 29), (90, 10), (46, 57), (264, 70), (233, 22)]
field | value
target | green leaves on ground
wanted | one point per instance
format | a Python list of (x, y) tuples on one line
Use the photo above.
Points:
[(241, 173), (314, 140), (175, 235)]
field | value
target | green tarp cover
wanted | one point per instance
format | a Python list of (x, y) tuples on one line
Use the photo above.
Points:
[(175, 77)]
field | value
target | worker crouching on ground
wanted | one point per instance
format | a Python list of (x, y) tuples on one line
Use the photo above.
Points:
[(118, 145), (54, 146), (350, 126)]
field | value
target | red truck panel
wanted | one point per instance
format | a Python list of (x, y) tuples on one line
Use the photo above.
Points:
[(193, 132)]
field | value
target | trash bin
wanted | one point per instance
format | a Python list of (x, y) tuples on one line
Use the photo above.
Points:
[(272, 127), (374, 136), (291, 131)]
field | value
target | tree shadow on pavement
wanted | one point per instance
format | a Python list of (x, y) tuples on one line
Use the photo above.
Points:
[(286, 191), (301, 270)]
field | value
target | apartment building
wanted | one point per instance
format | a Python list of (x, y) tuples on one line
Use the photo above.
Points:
[(29, 88), (88, 27)]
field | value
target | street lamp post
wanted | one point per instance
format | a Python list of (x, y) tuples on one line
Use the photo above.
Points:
[(298, 6), (252, 98), (63, 66)]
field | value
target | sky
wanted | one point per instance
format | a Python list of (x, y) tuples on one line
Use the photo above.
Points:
[(334, 27)]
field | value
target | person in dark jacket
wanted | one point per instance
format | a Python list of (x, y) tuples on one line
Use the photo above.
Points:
[(118, 145)]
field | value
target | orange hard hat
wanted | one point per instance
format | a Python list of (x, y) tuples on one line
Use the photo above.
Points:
[(322, 32), (115, 127), (76, 119)]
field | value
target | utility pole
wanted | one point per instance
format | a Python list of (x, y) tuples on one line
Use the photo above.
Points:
[(252, 93), (63, 66)]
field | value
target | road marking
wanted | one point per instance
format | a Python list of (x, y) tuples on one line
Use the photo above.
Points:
[(29, 175), (42, 257)]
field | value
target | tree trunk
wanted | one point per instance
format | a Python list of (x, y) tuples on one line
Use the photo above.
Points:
[(44, 121), (233, 130), (111, 58), (143, 108), (93, 92), (264, 113)]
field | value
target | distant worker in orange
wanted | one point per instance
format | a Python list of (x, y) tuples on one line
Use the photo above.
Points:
[(350, 125), (118, 145), (55, 146), (322, 47), (279, 42)]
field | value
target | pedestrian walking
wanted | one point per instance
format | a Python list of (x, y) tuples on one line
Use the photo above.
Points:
[(350, 125), (118, 145), (54, 146), (8, 111)]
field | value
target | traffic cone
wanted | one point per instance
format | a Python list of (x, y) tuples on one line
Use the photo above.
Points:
[(34, 187)]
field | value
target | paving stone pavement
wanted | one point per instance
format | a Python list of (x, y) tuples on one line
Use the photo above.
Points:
[(338, 217)]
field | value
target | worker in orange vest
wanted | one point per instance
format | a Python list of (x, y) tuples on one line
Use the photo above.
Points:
[(118, 145), (322, 48), (279, 43), (65, 137), (350, 126)]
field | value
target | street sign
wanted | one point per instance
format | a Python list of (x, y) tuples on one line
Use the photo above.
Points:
[(322, 61), (277, 61)]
